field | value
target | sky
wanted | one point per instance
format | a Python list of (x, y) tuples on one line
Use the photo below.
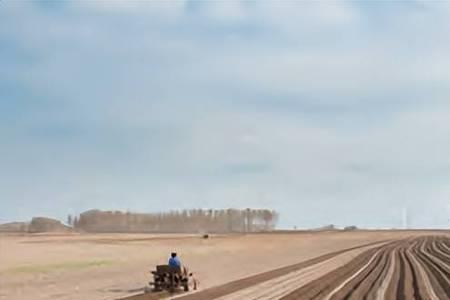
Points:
[(328, 112)]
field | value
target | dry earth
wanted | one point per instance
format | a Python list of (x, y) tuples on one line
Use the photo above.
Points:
[(110, 266), (417, 267)]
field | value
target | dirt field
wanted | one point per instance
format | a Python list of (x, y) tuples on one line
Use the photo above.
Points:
[(410, 268), (262, 266)]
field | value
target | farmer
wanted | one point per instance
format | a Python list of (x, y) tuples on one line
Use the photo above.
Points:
[(174, 261)]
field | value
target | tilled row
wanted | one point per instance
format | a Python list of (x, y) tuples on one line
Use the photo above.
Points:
[(269, 281), (412, 269), (415, 268)]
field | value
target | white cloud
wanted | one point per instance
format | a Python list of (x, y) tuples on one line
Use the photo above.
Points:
[(294, 16), (224, 11), (161, 9)]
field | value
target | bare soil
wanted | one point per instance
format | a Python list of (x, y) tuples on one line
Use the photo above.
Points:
[(416, 267), (112, 266)]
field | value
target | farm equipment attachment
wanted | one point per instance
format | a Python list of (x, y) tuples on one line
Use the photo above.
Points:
[(172, 279)]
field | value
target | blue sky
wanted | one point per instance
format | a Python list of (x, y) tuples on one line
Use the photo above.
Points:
[(329, 112)]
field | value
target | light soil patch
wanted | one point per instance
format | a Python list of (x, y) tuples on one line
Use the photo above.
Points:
[(70, 265)]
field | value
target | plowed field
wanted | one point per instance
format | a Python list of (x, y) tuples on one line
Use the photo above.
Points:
[(413, 268)]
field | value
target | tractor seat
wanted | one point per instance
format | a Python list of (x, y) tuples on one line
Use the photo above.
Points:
[(168, 269)]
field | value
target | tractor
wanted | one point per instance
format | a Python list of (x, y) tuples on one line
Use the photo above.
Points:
[(172, 279)]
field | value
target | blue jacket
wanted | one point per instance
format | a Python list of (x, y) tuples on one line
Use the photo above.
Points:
[(174, 262)]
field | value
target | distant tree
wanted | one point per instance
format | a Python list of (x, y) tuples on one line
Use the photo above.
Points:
[(193, 220), (69, 219), (267, 216)]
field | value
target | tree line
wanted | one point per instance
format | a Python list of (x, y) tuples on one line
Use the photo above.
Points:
[(182, 221)]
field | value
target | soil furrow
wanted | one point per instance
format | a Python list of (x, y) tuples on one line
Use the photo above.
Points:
[(411, 269)]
